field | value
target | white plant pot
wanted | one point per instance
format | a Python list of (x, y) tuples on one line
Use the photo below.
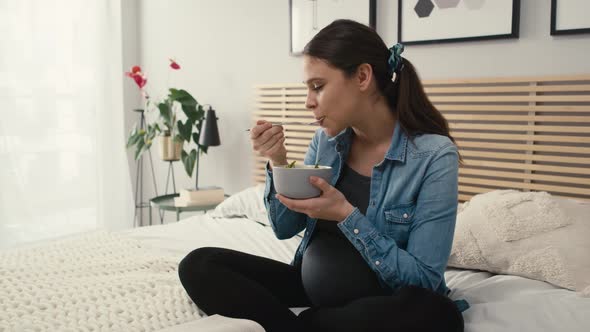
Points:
[(169, 149)]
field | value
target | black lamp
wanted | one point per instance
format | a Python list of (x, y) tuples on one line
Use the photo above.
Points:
[(209, 136)]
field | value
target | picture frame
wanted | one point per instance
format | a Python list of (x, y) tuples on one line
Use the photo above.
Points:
[(567, 19), (446, 21), (307, 17)]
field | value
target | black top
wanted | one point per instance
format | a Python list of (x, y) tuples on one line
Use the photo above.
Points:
[(332, 270)]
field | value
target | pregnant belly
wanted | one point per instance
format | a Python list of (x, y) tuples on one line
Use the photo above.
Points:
[(333, 272)]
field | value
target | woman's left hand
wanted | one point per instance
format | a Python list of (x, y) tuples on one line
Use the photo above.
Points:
[(330, 205)]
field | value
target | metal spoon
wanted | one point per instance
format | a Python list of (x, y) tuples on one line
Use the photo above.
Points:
[(293, 123)]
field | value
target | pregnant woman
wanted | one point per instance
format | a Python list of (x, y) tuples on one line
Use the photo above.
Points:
[(378, 238)]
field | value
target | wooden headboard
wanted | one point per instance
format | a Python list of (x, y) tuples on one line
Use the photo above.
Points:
[(526, 133)]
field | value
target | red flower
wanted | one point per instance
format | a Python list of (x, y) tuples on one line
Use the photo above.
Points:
[(140, 80), (174, 65), (137, 76)]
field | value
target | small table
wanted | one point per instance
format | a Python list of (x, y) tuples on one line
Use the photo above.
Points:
[(166, 203)]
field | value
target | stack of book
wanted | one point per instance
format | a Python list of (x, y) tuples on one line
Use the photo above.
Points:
[(201, 197)]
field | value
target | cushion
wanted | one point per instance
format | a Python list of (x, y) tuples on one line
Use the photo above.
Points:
[(529, 234), (247, 203)]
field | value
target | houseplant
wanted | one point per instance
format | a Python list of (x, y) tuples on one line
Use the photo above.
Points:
[(172, 131)]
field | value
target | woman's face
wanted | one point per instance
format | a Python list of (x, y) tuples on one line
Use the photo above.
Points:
[(331, 96)]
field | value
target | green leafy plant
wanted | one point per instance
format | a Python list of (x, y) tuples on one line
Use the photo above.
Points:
[(169, 122)]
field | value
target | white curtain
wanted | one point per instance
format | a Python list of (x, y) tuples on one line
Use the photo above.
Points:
[(63, 166)]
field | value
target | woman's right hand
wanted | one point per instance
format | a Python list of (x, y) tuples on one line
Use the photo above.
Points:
[(268, 141)]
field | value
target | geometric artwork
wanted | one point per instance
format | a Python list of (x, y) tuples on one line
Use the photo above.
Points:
[(570, 17), (439, 21)]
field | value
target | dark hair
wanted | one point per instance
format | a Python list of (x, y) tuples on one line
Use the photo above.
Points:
[(346, 44)]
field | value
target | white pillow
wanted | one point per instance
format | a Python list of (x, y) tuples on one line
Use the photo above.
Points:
[(246, 203), (529, 234)]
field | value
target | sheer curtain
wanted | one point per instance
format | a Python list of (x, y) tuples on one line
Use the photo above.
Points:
[(63, 166)]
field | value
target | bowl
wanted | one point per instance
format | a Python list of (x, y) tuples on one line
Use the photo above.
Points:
[(294, 182)]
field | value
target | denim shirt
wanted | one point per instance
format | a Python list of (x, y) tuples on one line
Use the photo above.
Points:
[(407, 232)]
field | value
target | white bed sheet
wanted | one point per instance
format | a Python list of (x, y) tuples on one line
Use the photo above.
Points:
[(179, 239), (511, 303), (498, 302)]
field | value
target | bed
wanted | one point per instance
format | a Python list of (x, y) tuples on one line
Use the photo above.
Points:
[(498, 302), (517, 136)]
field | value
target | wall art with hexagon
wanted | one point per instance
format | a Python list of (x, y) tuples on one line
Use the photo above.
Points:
[(440, 21)]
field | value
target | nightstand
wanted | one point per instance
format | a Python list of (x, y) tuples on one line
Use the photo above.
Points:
[(166, 203)]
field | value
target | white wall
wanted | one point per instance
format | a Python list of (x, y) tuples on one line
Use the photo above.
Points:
[(225, 47), (228, 46), (131, 96)]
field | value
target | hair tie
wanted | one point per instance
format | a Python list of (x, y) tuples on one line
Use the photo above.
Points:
[(395, 61)]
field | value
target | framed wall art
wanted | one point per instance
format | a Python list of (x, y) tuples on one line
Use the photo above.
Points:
[(569, 17), (441, 21)]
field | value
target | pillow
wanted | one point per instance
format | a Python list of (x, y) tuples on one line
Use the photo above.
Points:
[(246, 203), (528, 234)]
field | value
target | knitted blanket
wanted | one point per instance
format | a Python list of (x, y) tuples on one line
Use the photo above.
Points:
[(97, 282)]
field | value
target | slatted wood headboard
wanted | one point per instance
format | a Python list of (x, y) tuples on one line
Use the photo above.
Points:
[(529, 133)]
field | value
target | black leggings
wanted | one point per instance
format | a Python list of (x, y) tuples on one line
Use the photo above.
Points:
[(239, 285)]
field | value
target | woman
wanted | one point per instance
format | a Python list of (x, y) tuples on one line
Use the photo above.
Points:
[(378, 238)]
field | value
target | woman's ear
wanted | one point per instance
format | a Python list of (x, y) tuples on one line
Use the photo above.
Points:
[(364, 75)]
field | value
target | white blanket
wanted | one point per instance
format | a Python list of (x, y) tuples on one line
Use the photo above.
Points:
[(99, 281), (125, 281)]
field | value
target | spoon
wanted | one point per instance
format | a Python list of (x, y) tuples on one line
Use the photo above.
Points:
[(293, 123)]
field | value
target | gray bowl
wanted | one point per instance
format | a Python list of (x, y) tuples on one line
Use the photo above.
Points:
[(294, 182)]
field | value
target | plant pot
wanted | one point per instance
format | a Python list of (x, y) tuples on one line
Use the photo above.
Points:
[(169, 149)]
